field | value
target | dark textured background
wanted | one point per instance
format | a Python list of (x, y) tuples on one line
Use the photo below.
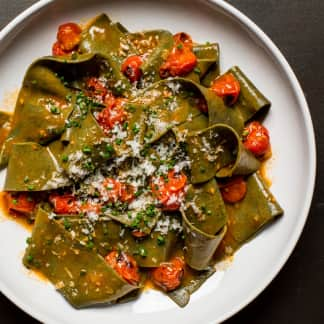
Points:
[(297, 294)]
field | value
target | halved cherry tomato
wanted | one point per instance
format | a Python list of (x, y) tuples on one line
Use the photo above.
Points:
[(169, 191), (124, 265), (234, 190), (96, 89), (257, 139), (181, 60), (57, 50), (131, 68), (64, 204), (110, 116), (227, 87), (69, 36), (22, 203), (168, 275)]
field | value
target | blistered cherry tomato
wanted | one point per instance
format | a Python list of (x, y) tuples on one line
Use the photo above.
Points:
[(69, 36), (181, 60), (64, 204), (257, 139), (124, 265), (21, 202), (112, 189), (227, 87), (168, 275), (234, 191), (110, 116), (131, 68), (96, 89), (170, 191)]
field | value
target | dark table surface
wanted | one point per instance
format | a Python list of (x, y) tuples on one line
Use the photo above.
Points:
[(296, 295)]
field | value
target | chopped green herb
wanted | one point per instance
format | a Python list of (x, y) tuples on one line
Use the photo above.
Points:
[(83, 272), (197, 70), (180, 46), (118, 141), (135, 129), (67, 224), (90, 245), (160, 240), (30, 187), (142, 252), (55, 110), (26, 179), (65, 158), (86, 150), (28, 240), (14, 201), (29, 258)]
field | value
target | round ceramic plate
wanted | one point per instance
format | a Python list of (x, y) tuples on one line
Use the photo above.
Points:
[(242, 43)]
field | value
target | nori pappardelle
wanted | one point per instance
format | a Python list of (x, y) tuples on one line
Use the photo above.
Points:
[(135, 160)]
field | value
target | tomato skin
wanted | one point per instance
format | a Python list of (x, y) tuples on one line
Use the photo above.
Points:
[(124, 265), (22, 203), (69, 36), (169, 192), (227, 86), (57, 50), (181, 60), (234, 191), (257, 139), (139, 234), (131, 68), (168, 275), (90, 207), (64, 204), (183, 38)]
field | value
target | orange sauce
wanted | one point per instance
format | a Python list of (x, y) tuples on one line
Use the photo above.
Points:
[(20, 219)]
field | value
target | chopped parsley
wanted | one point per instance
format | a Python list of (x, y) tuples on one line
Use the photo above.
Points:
[(160, 240)]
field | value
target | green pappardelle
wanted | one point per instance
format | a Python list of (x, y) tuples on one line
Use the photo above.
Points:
[(123, 168)]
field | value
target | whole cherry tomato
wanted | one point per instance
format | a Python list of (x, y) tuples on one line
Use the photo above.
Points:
[(234, 190), (168, 275), (227, 87), (124, 265), (256, 139), (131, 68)]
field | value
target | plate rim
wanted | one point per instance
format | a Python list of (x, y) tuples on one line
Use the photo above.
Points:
[(274, 51)]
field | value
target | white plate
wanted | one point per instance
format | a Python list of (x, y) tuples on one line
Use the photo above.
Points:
[(292, 170)]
